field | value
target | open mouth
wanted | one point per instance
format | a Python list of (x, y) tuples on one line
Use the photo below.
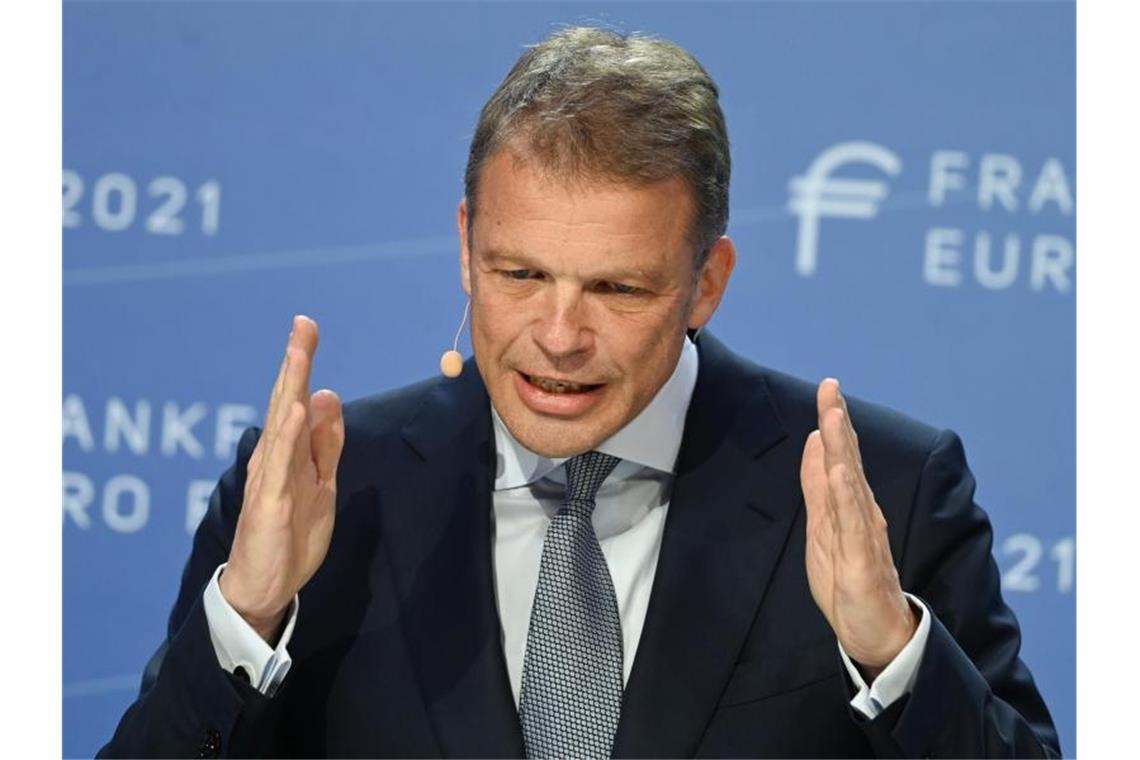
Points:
[(558, 386), (551, 397)]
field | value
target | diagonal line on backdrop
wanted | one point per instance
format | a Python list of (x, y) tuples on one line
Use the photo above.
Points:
[(258, 261), (898, 202)]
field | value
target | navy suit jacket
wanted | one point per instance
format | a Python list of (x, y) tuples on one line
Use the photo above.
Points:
[(398, 648)]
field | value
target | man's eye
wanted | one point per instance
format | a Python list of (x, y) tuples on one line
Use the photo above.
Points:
[(519, 274), (620, 289)]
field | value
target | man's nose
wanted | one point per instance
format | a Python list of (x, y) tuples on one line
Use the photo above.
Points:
[(562, 331)]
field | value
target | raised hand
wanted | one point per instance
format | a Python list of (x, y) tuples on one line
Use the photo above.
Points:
[(286, 519), (852, 577)]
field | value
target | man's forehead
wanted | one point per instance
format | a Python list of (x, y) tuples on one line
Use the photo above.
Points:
[(512, 189), (558, 178)]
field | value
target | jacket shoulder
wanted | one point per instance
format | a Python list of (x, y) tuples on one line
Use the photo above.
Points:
[(373, 427), (876, 425), (372, 418)]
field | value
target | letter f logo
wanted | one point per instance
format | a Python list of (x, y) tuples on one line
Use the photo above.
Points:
[(816, 194)]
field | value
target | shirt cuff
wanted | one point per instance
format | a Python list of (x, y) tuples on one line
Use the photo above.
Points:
[(897, 679), (237, 645)]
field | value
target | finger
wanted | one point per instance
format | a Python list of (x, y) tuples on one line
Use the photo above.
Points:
[(830, 401), (836, 444), (849, 429), (271, 412), (867, 496), (827, 398), (299, 354), (280, 455), (327, 433), (821, 527), (303, 346), (850, 515), (813, 480), (830, 396), (839, 453)]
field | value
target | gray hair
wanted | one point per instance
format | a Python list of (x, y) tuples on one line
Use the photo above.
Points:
[(592, 103)]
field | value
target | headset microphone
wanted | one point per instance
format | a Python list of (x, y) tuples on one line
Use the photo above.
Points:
[(451, 363)]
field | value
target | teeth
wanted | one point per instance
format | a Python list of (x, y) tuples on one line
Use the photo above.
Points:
[(557, 386)]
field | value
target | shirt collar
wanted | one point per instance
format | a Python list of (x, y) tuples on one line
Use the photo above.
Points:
[(651, 439)]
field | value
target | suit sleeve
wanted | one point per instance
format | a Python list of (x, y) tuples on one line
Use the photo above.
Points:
[(188, 706), (972, 696)]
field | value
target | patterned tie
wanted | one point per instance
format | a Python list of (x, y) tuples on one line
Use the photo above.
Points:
[(572, 673)]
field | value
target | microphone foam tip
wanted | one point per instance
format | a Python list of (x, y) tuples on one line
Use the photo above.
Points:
[(451, 364)]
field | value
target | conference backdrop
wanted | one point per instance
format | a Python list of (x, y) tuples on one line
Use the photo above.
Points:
[(902, 201)]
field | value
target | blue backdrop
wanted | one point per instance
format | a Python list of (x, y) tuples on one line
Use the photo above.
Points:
[(903, 185)]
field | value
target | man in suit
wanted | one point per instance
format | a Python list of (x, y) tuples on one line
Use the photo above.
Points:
[(609, 535)]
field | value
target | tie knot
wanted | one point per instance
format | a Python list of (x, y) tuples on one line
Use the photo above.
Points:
[(585, 474)]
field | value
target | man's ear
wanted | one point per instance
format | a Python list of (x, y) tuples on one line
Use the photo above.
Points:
[(712, 282), (464, 248)]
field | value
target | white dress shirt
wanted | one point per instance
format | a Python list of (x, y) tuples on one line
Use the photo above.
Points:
[(629, 519)]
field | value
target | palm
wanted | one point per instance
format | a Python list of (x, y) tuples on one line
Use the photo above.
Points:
[(288, 512), (848, 559)]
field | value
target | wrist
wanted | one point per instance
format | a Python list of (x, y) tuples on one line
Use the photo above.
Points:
[(267, 625), (905, 631)]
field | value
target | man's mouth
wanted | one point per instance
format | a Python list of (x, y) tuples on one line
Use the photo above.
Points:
[(558, 386)]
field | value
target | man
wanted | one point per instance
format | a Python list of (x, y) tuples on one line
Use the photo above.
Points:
[(610, 535)]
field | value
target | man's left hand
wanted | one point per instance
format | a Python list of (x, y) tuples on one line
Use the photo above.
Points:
[(849, 566)]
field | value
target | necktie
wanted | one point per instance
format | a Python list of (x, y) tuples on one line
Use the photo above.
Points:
[(572, 673)]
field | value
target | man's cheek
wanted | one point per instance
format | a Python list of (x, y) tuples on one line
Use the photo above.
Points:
[(504, 322)]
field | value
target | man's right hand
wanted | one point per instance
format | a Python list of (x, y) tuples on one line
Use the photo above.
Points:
[(286, 519)]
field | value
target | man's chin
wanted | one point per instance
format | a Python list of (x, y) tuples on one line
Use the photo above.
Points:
[(555, 439)]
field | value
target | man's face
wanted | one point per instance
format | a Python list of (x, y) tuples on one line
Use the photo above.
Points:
[(581, 294)]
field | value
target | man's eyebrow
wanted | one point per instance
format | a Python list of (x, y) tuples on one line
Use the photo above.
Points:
[(649, 278), (498, 254)]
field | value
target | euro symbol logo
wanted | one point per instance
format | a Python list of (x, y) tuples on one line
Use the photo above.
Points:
[(816, 194)]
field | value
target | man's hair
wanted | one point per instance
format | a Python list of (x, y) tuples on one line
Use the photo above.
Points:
[(589, 103)]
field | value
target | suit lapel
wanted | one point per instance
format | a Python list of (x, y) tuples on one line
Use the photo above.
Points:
[(731, 509), (439, 542), (734, 500)]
